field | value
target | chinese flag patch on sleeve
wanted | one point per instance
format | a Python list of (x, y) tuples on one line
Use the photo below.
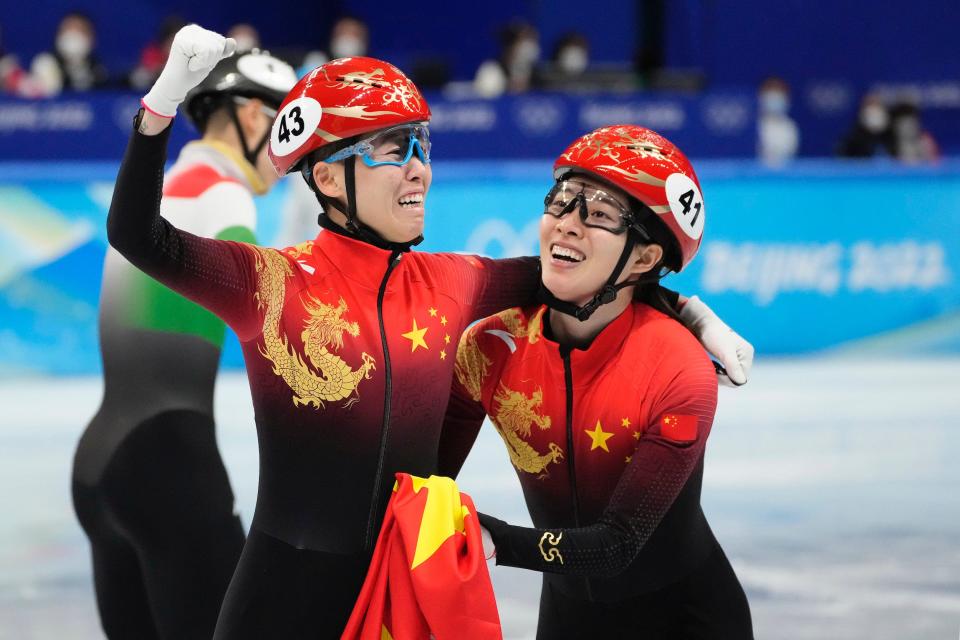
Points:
[(678, 427)]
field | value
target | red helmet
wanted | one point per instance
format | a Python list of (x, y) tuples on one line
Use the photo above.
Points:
[(341, 99), (648, 167)]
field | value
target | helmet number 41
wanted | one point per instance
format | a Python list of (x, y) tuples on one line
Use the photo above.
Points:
[(686, 199), (686, 204)]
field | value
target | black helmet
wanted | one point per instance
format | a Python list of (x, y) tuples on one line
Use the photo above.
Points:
[(254, 74)]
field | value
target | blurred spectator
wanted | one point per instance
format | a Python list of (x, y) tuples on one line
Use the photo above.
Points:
[(570, 69), (911, 142), (349, 37), (246, 35), (567, 69), (154, 54), (571, 56), (72, 65), (12, 75), (777, 134), (871, 135), (514, 70)]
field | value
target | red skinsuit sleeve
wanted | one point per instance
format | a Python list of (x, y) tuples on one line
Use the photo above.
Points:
[(485, 286)]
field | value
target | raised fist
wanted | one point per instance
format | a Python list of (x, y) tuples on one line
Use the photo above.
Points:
[(194, 53)]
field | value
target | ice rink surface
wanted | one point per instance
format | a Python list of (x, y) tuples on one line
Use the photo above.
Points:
[(831, 483)]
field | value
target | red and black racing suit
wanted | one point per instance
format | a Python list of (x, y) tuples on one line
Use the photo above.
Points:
[(608, 444), (349, 351)]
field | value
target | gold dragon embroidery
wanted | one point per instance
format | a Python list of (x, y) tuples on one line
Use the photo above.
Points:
[(471, 364), (302, 249), (513, 321), (514, 416), (329, 378)]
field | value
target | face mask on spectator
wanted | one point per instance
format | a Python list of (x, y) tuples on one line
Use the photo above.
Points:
[(347, 46), (572, 60), (907, 127), (526, 53), (73, 45), (774, 102), (874, 118)]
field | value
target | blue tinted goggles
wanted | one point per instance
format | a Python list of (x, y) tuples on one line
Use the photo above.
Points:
[(394, 146)]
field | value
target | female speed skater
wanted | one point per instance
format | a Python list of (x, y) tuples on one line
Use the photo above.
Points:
[(604, 402)]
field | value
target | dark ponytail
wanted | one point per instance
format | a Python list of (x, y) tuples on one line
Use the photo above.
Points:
[(650, 292)]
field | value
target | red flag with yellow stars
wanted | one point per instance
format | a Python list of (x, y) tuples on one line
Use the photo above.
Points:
[(428, 577), (679, 428)]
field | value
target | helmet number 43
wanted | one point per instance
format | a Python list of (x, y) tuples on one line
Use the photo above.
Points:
[(295, 125), (283, 134)]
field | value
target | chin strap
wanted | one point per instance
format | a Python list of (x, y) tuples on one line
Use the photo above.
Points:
[(356, 228), (607, 293), (249, 154)]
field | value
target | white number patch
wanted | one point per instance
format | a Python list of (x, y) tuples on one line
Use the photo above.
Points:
[(686, 204), (294, 125)]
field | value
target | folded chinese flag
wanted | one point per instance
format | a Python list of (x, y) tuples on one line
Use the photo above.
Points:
[(428, 577)]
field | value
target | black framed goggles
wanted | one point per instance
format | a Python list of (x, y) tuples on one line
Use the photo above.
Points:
[(597, 208)]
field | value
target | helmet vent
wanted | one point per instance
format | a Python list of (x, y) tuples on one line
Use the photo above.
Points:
[(363, 79)]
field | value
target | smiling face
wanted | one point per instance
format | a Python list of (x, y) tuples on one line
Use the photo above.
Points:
[(390, 198), (578, 259)]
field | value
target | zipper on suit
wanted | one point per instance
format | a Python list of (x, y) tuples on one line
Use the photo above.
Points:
[(370, 535), (571, 453)]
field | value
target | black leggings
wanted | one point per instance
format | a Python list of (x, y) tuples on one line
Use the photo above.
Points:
[(164, 537), (709, 604), (280, 591)]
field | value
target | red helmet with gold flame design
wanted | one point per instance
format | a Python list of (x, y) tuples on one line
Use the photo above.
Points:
[(338, 100), (647, 167)]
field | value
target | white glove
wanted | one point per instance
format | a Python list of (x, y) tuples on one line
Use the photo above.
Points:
[(489, 549), (193, 54), (733, 352)]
